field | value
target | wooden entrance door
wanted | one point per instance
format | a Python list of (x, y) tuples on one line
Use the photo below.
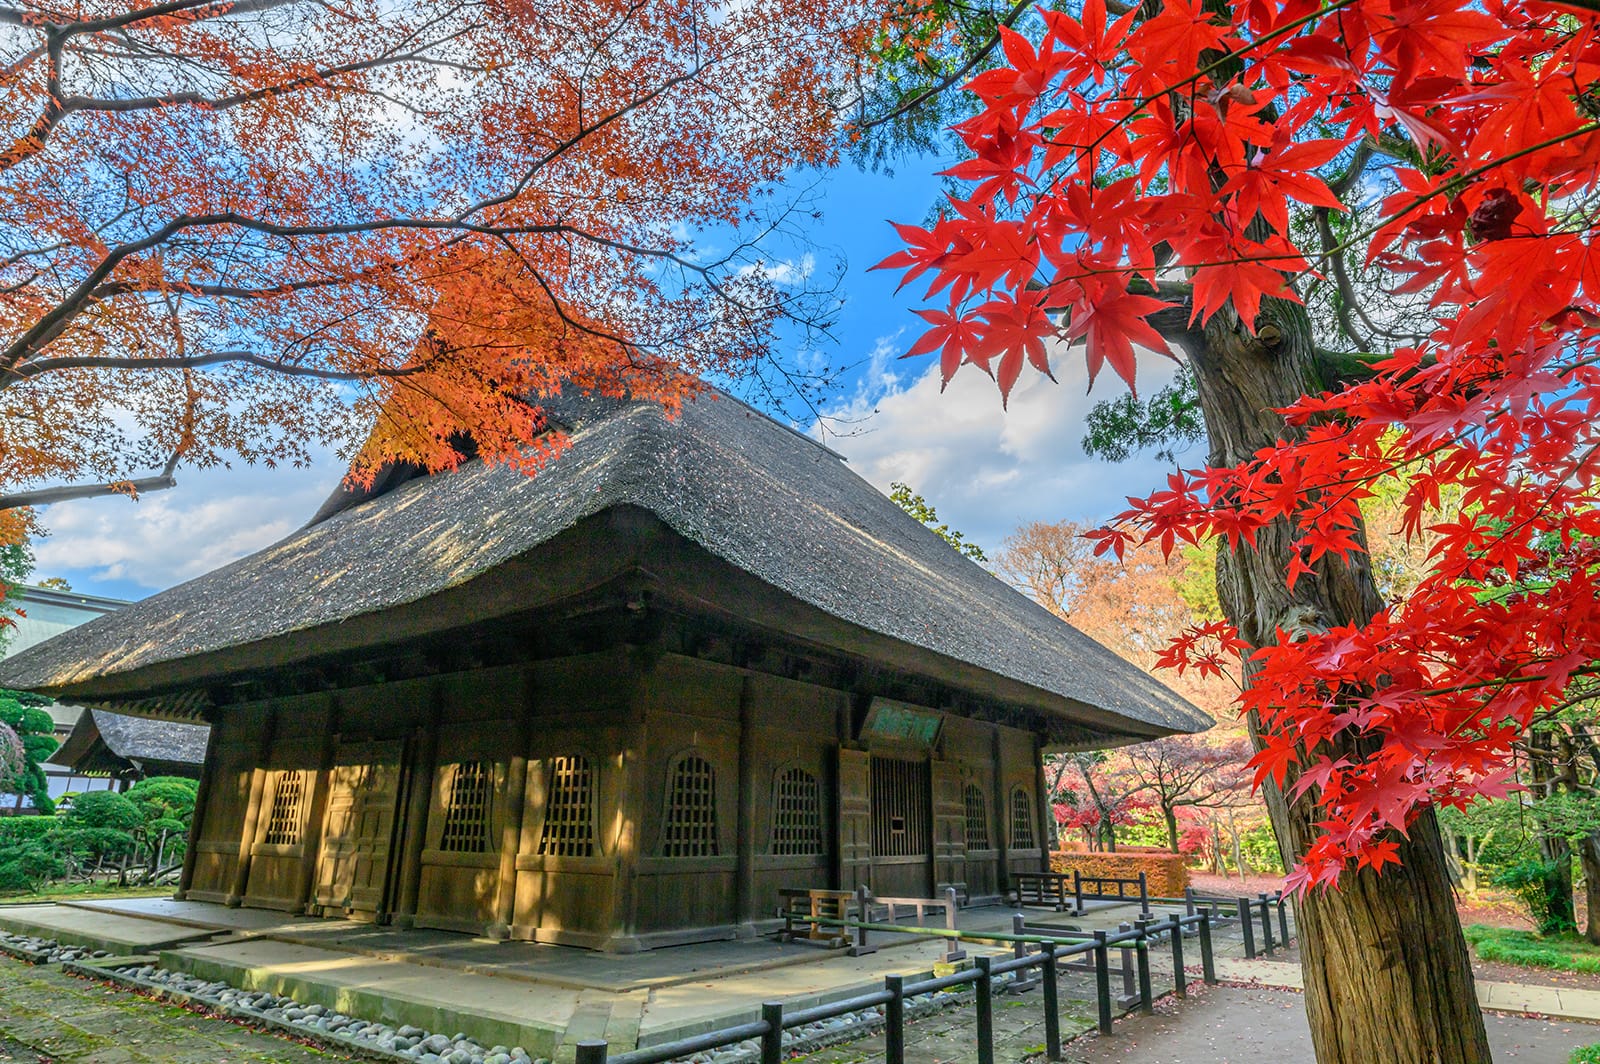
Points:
[(902, 828), (353, 867)]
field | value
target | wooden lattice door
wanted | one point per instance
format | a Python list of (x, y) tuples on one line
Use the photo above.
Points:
[(353, 868), (902, 828)]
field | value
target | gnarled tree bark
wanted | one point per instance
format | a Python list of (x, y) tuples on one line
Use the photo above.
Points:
[(1387, 976)]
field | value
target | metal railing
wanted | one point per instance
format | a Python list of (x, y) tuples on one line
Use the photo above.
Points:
[(1050, 889), (1045, 952)]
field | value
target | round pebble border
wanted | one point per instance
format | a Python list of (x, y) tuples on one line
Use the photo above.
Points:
[(410, 1043), (314, 1022), (44, 950)]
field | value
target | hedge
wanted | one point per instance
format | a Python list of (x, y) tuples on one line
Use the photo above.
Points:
[(15, 830), (1164, 872)]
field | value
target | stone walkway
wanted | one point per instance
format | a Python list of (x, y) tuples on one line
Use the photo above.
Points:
[(47, 1016), (1259, 1025)]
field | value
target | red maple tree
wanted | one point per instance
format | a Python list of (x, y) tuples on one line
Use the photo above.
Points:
[(232, 229), (1179, 179)]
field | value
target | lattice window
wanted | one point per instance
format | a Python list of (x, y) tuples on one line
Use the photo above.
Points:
[(691, 823), (283, 825), (901, 796), (1021, 820), (466, 810), (797, 815), (569, 809), (977, 818)]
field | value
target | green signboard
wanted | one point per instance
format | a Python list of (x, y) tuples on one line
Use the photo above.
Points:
[(888, 719)]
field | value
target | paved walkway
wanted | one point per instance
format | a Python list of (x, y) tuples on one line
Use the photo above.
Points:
[(1258, 1025), (46, 1016), (1561, 1002)]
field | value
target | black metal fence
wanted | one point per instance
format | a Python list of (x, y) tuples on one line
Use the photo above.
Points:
[(1049, 954), (1246, 911)]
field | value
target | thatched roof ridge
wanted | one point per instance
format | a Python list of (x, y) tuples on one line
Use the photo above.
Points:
[(103, 741), (745, 489)]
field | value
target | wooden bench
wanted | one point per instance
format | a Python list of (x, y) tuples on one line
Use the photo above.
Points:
[(804, 906)]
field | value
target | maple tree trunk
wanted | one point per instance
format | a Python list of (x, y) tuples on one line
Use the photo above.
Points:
[(1387, 976), (1589, 853), (1172, 828)]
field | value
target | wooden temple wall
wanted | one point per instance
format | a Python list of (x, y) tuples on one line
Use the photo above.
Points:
[(619, 800)]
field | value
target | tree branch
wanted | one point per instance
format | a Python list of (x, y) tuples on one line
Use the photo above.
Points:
[(130, 488)]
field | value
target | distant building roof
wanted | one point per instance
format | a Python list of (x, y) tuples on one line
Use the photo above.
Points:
[(47, 612), (115, 744), (836, 563)]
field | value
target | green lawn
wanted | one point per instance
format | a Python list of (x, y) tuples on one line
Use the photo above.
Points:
[(1508, 946), (1587, 1055), (83, 892)]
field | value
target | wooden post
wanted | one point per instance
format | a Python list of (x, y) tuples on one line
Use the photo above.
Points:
[(202, 797), (745, 903), (516, 804), (252, 812), (1047, 814), (419, 796), (1002, 816), (311, 844), (1208, 968)]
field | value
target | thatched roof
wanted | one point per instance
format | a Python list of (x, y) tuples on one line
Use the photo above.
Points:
[(834, 563), (117, 744)]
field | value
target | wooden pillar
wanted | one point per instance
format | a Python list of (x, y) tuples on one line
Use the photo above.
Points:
[(515, 801), (252, 811), (1047, 813), (311, 843), (197, 823), (1002, 813), (419, 796), (745, 876), (632, 805)]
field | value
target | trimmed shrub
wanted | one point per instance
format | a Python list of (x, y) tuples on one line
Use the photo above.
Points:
[(1164, 871)]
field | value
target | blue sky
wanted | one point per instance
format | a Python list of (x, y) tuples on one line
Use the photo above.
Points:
[(987, 470)]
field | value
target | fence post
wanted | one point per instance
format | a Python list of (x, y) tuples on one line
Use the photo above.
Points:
[(591, 1053), (1247, 925), (863, 916), (1208, 964), (1283, 920), (894, 1020), (1052, 1012), (772, 1041), (985, 1010), (1144, 896), (953, 951), (1180, 985), (1025, 980), (1127, 964), (1266, 927), (1077, 892), (1147, 1001), (1102, 981), (1188, 901)]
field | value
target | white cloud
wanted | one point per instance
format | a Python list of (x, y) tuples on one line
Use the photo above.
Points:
[(211, 518), (986, 469)]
